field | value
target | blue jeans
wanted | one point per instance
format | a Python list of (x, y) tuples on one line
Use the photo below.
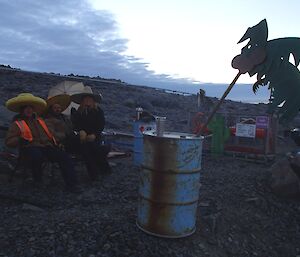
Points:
[(36, 155)]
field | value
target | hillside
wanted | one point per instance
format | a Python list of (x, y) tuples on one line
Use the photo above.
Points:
[(120, 99)]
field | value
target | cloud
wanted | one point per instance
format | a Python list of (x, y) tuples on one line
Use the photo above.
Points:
[(69, 37)]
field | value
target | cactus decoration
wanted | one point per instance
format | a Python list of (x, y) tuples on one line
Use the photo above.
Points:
[(269, 60), (220, 133)]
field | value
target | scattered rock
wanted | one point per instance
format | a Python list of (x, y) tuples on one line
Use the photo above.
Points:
[(106, 247), (30, 207), (252, 199), (284, 181)]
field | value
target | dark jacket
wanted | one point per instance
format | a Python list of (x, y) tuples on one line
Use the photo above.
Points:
[(92, 121), (60, 125)]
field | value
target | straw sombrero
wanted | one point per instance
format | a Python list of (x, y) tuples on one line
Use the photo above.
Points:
[(24, 99), (63, 100), (87, 91)]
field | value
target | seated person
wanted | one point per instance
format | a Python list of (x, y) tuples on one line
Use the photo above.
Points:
[(60, 124), (89, 122), (35, 141)]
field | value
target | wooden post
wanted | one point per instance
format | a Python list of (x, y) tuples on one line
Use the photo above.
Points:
[(219, 103)]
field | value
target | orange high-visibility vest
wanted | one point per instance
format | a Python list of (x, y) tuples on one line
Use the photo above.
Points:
[(26, 132)]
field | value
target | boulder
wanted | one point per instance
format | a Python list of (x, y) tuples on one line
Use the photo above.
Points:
[(284, 181), (294, 159)]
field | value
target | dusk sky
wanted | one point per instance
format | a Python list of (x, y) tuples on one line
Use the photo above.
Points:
[(152, 43)]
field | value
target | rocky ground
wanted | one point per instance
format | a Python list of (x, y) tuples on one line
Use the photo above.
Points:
[(238, 215)]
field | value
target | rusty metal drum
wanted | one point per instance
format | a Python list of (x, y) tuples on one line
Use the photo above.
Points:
[(169, 184), (139, 127)]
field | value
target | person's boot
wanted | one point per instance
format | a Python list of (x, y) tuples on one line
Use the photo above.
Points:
[(93, 172), (37, 179), (105, 169)]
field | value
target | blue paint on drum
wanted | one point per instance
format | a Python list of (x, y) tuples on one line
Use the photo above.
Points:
[(181, 187), (169, 184), (137, 144), (138, 128)]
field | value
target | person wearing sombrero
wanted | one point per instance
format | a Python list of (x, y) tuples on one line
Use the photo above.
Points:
[(35, 140), (59, 123), (89, 122)]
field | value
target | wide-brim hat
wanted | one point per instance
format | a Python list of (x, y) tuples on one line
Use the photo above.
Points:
[(63, 100), (87, 91), (26, 99)]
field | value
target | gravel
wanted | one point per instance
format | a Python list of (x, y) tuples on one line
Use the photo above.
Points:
[(237, 216)]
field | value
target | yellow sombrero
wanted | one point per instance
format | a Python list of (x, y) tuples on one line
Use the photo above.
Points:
[(63, 100), (24, 99)]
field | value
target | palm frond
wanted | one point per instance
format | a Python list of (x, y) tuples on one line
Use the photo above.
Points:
[(280, 49)]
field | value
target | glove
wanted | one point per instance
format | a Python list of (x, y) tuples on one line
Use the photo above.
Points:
[(73, 110), (23, 142), (90, 138), (82, 136), (61, 146)]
